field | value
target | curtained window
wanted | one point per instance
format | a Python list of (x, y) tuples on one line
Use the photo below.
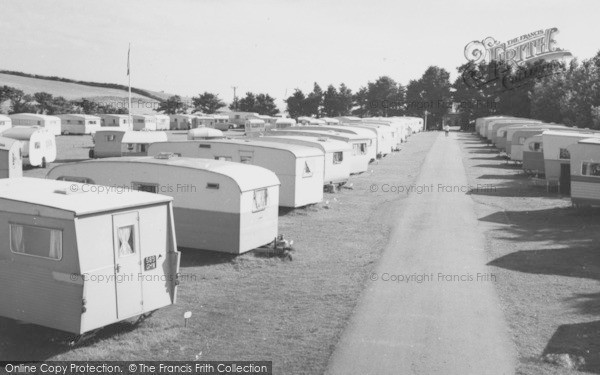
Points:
[(126, 245), (260, 200), (307, 171), (36, 241), (338, 157)]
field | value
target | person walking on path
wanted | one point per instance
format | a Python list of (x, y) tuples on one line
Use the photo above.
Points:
[(446, 129)]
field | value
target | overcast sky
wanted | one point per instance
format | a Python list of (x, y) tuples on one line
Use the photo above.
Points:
[(190, 46)]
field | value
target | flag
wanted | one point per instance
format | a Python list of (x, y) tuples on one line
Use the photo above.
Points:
[(128, 53)]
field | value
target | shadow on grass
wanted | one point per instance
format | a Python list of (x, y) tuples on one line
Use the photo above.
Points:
[(484, 151), (29, 342), (517, 185), (502, 177), (299, 211), (499, 166), (578, 340), (488, 158), (59, 161), (559, 225), (202, 258), (581, 262)]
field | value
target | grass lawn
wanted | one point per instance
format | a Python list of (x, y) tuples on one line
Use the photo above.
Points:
[(546, 258)]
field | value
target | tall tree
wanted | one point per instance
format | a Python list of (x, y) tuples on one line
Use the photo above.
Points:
[(361, 100), (172, 105), (384, 97), (295, 104), (21, 102), (247, 103), (44, 102), (331, 102), (87, 106), (430, 93), (265, 105), (346, 101), (314, 101), (60, 105), (207, 103), (262, 104)]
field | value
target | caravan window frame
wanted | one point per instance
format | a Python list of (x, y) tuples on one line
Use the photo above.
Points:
[(255, 204), (586, 168), (37, 227), (338, 157), (135, 185), (564, 154)]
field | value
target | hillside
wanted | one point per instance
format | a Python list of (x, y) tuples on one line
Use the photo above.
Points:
[(70, 90)]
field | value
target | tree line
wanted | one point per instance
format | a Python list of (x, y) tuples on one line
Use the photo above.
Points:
[(550, 91)]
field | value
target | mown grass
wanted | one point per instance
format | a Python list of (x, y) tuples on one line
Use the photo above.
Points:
[(546, 259)]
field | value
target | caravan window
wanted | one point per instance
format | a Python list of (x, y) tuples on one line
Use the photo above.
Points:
[(359, 149), (110, 138), (564, 154), (36, 241), (37, 145), (338, 157), (246, 157), (212, 185), (260, 200), (590, 169), (521, 140), (225, 158), (147, 187), (130, 147), (307, 172), (126, 241)]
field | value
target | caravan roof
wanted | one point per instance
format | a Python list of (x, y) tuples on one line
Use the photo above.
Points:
[(73, 197), (298, 151), (316, 132), (341, 128), (325, 144), (7, 143), (22, 133), (131, 136), (248, 177), (78, 115), (591, 141)]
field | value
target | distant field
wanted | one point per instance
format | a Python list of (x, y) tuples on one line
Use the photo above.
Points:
[(115, 97)]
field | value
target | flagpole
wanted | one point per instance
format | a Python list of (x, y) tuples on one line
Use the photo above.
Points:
[(129, 77)]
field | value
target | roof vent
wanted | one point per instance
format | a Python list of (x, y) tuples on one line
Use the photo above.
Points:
[(322, 139), (69, 191), (165, 155)]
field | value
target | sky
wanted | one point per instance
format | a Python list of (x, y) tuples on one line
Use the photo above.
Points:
[(187, 47)]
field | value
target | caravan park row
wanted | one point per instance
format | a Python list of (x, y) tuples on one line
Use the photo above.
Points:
[(141, 197)]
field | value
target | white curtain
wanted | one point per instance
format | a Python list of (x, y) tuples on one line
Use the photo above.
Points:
[(260, 199), (55, 244), (124, 236), (16, 237)]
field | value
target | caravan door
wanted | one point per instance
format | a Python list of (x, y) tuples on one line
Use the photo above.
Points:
[(127, 264)]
